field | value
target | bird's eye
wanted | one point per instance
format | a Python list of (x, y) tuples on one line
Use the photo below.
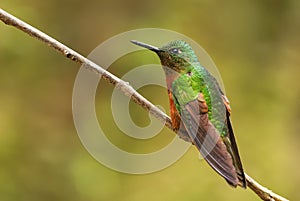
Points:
[(175, 51)]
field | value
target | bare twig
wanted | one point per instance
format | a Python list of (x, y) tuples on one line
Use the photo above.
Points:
[(262, 192), (9, 19)]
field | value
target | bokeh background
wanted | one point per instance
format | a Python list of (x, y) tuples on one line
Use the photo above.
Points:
[(255, 45)]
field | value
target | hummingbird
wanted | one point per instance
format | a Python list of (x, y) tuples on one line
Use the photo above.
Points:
[(199, 110)]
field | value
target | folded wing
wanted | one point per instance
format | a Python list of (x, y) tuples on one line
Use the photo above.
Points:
[(208, 141)]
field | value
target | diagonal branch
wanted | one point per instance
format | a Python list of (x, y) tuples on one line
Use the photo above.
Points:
[(262, 192)]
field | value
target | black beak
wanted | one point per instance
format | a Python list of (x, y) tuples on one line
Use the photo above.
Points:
[(149, 47)]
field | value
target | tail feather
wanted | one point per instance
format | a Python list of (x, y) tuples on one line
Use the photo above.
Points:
[(235, 155)]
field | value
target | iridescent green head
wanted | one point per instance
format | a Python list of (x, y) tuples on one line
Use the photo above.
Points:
[(177, 55)]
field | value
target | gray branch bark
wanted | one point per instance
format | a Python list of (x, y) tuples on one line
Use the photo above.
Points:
[(262, 192)]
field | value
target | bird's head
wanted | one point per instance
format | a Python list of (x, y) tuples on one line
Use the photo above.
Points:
[(176, 55)]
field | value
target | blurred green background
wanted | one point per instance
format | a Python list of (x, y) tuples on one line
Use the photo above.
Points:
[(255, 45)]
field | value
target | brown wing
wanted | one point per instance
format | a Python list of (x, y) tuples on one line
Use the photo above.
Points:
[(207, 139)]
